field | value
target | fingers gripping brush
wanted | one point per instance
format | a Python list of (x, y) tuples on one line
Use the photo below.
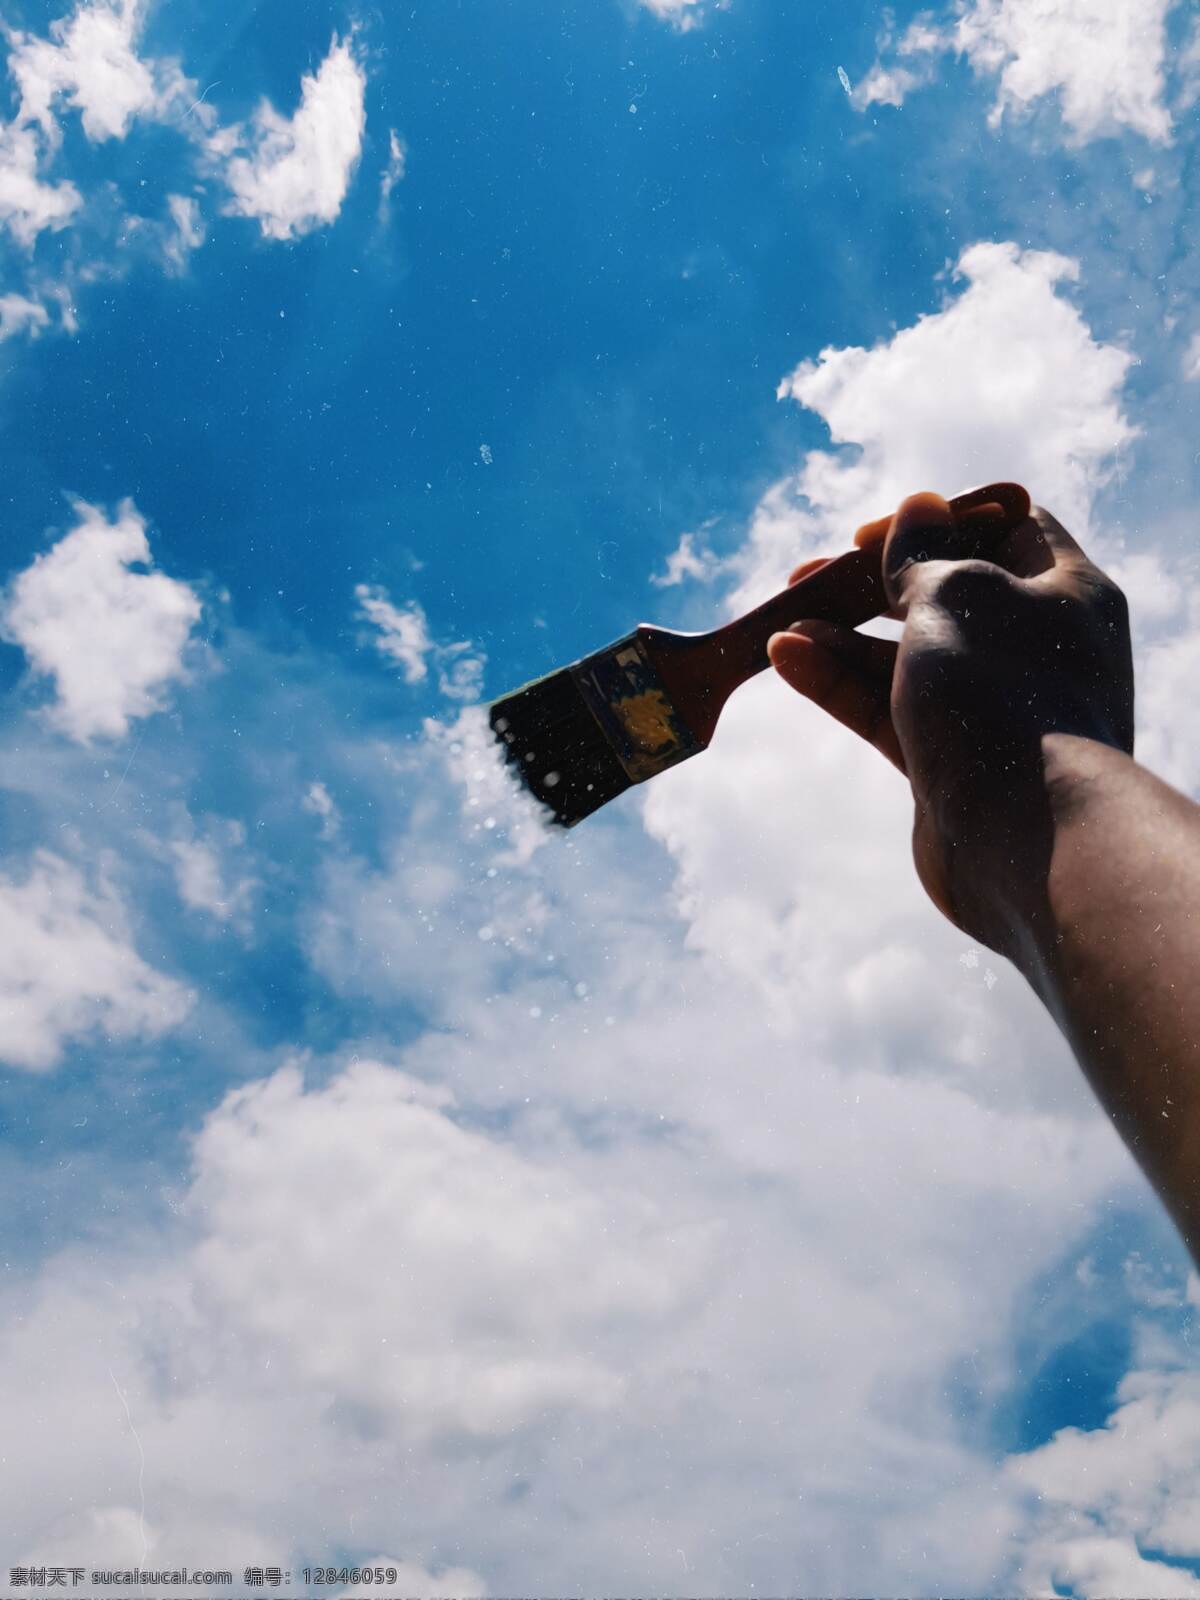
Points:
[(585, 734)]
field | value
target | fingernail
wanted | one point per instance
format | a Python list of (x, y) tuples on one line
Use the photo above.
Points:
[(923, 529), (923, 511)]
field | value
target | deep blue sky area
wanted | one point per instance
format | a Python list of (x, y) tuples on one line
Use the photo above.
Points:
[(610, 244)]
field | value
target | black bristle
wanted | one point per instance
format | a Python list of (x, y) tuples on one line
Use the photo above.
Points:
[(558, 747)]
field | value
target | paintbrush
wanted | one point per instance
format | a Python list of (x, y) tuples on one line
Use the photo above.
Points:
[(585, 734)]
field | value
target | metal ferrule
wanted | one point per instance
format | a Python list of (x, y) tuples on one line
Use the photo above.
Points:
[(636, 714)]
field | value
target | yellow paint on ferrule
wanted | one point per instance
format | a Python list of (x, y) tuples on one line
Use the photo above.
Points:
[(638, 718)]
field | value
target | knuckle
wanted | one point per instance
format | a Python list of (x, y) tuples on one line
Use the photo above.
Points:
[(1046, 520), (964, 584)]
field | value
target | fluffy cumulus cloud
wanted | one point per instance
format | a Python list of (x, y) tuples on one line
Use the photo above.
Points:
[(111, 638), (585, 1249), (599, 1254), (402, 632), (88, 65), (912, 412), (1108, 1495), (690, 560), (905, 62), (481, 1322), (1167, 667), (19, 314), (210, 870), (1102, 59), (291, 174), (503, 1300), (693, 1175), (68, 969), (28, 204), (402, 636)]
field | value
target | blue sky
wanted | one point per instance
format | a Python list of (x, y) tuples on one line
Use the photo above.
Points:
[(680, 1206)]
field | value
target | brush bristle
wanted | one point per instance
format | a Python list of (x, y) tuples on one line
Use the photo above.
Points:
[(558, 747)]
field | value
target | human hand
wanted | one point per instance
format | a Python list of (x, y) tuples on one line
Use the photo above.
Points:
[(995, 656)]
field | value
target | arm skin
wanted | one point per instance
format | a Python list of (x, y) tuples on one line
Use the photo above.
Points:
[(1008, 704)]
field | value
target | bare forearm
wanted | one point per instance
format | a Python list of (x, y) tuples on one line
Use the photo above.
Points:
[(1008, 704), (1114, 951)]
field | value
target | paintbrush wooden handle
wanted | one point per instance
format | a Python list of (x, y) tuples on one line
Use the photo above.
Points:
[(700, 673), (850, 588)]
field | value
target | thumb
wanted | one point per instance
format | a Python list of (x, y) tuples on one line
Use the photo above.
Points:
[(923, 529)]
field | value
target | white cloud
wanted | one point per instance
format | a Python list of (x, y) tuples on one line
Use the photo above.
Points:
[(90, 62), (318, 802), (1187, 66), (393, 173), (19, 314), (919, 46), (1191, 359), (913, 414), (87, 64), (1168, 706), (1109, 1493), (1103, 59), (423, 929), (888, 86), (460, 671), (210, 872), (27, 205), (578, 1251), (61, 294), (1165, 615), (504, 1297), (687, 560), (68, 969), (682, 14), (186, 233), (292, 174), (112, 639), (172, 237), (604, 1251), (198, 875), (488, 1324), (403, 637)]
